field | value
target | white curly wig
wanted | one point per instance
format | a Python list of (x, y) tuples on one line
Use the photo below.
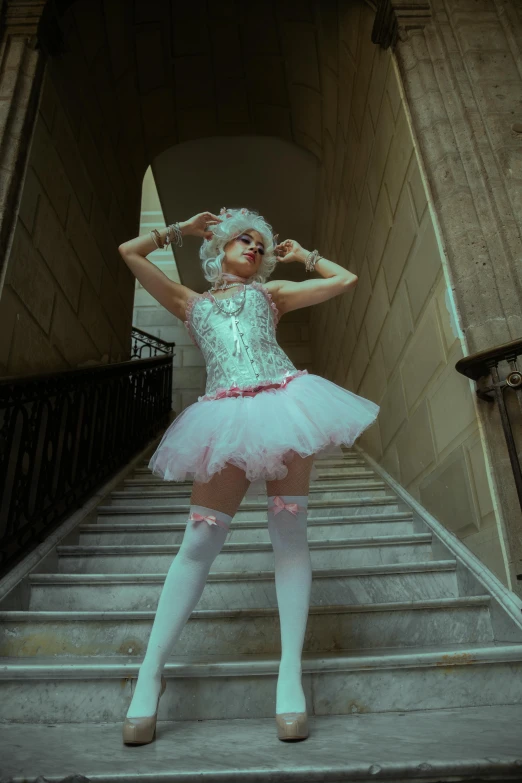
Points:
[(235, 222)]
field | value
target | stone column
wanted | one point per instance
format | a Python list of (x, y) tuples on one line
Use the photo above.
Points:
[(21, 71), (461, 68)]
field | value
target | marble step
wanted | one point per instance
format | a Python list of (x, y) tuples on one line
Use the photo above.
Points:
[(237, 687), (144, 476), (244, 557), (251, 510), (345, 469), (348, 483), (393, 746), (140, 592), (369, 488), (152, 532), (326, 463), (330, 628)]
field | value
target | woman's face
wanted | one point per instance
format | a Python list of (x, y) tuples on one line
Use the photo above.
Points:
[(244, 255)]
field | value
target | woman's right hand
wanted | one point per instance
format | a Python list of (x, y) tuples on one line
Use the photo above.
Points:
[(197, 226)]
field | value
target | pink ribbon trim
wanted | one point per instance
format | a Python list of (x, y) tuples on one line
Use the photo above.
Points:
[(251, 391), (211, 519), (279, 505)]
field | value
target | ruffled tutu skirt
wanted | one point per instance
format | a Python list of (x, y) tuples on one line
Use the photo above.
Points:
[(310, 415)]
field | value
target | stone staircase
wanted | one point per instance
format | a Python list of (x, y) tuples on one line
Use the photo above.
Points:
[(412, 658)]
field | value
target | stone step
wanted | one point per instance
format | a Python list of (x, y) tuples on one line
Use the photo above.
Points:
[(393, 746), (253, 510), (324, 471), (244, 557), (144, 475), (350, 459), (152, 532), (140, 592), (462, 620), (369, 488), (238, 687), (344, 468), (340, 748), (371, 481)]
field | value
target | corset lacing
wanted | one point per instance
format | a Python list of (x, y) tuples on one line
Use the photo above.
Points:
[(233, 323)]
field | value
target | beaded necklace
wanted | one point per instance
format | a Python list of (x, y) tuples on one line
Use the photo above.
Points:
[(232, 313), (237, 278)]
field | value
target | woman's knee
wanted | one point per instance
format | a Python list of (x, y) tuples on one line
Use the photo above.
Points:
[(202, 542)]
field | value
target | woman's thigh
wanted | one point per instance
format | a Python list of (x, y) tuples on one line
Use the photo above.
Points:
[(297, 480), (224, 492)]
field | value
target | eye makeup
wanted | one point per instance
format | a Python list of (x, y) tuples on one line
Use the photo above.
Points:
[(247, 238)]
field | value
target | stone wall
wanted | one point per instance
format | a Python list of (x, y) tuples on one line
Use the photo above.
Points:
[(67, 296), (395, 338), (462, 74)]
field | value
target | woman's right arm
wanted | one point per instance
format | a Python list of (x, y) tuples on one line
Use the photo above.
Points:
[(171, 295)]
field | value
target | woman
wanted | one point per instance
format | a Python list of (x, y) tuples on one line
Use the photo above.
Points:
[(260, 419)]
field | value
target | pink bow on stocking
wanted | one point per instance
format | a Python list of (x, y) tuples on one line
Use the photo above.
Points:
[(279, 505), (211, 519)]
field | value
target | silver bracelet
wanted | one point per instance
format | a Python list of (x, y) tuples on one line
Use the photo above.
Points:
[(312, 260), (178, 236), (154, 235)]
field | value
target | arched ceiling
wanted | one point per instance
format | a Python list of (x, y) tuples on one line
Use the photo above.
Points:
[(197, 91), (223, 100), (192, 70)]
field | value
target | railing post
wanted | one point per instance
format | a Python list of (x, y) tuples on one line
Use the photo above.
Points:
[(480, 366)]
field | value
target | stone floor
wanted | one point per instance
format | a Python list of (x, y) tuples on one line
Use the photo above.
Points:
[(479, 743)]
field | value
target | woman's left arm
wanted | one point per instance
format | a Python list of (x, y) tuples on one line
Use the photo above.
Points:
[(289, 295)]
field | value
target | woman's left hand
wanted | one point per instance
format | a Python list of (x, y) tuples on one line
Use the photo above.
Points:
[(198, 226), (289, 250)]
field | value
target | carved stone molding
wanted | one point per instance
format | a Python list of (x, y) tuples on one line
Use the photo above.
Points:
[(394, 18), (21, 18), (463, 123)]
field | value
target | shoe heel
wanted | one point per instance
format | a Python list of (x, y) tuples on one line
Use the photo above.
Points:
[(292, 725), (141, 731)]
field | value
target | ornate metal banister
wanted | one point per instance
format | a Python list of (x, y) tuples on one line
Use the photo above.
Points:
[(142, 340), (485, 363), (64, 434)]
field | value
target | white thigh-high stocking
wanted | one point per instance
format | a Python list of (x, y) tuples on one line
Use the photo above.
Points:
[(293, 578), (181, 591)]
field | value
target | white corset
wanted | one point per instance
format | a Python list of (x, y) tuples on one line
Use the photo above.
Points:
[(240, 350)]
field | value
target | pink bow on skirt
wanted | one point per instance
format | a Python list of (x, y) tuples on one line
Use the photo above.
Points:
[(211, 519), (279, 505)]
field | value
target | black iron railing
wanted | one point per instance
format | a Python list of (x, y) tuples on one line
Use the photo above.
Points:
[(483, 366), (64, 434), (143, 340)]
